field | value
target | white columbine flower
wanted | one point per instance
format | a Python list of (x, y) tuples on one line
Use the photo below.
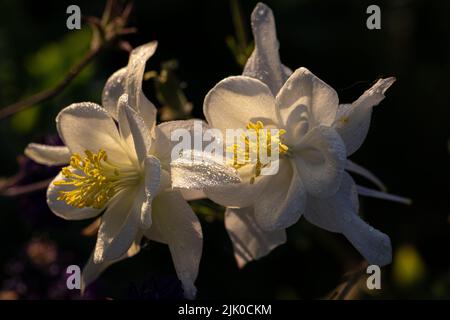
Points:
[(118, 166), (312, 157), (305, 106)]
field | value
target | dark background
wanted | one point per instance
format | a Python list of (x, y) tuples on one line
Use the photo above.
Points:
[(407, 146)]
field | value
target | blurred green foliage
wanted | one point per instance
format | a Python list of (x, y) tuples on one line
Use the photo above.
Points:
[(46, 67), (51, 62), (409, 267)]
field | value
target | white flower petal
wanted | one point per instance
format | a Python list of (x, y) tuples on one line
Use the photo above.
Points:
[(304, 91), (152, 183), (382, 195), (339, 214), (353, 121), (373, 245), (92, 271), (181, 229), (333, 212), (235, 101), (154, 233), (61, 208), (114, 88), (282, 202), (119, 226), (250, 242), (264, 63), (356, 168), (87, 126), (48, 155), (135, 75), (240, 195), (320, 160), (124, 129), (198, 170), (133, 130), (163, 145)]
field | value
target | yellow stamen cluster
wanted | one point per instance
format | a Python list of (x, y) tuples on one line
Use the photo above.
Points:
[(95, 180), (263, 138)]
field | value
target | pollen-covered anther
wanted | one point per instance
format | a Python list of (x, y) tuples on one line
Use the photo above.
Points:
[(258, 141), (95, 180)]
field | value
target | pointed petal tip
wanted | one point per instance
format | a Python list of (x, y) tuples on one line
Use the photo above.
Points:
[(407, 201), (29, 150), (123, 105), (364, 191), (190, 292), (384, 257), (261, 13), (154, 43), (147, 49), (393, 79), (260, 8), (241, 263), (383, 84), (302, 70)]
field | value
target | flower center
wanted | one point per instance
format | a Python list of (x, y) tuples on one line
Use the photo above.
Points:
[(259, 146), (95, 178)]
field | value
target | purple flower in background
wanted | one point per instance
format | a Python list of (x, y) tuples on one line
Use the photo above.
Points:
[(39, 272)]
